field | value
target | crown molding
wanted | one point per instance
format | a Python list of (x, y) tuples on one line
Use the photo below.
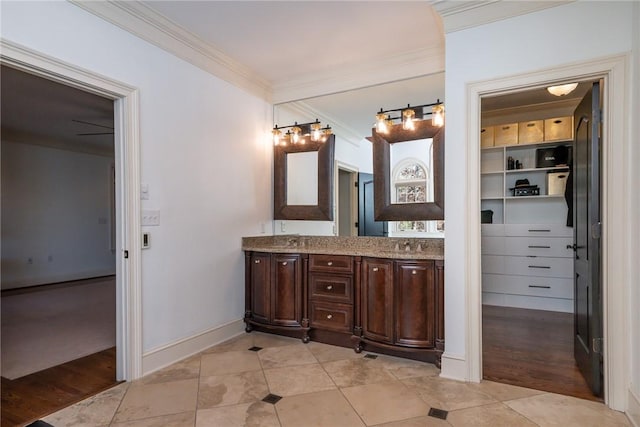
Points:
[(460, 15), (402, 66), (339, 128), (144, 22)]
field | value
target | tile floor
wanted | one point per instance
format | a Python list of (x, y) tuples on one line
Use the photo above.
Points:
[(319, 385)]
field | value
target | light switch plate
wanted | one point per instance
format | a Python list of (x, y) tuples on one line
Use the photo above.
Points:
[(150, 218), (144, 192)]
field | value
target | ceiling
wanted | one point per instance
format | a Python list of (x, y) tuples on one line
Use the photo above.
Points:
[(359, 55)]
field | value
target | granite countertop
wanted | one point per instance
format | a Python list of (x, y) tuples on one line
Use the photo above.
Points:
[(378, 247)]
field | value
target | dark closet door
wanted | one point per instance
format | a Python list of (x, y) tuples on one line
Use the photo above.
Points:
[(367, 226), (586, 223)]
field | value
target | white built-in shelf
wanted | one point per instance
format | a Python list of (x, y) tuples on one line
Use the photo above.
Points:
[(529, 170), (542, 196), (532, 145), (492, 173)]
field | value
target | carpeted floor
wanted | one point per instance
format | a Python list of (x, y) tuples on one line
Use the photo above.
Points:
[(51, 325)]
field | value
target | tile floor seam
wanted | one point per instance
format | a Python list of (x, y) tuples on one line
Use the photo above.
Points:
[(120, 404), (195, 417)]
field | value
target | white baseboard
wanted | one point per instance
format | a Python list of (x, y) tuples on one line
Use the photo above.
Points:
[(454, 367), (171, 353), (633, 409)]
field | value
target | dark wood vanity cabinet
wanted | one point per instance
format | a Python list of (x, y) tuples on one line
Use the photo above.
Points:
[(331, 280), (275, 292), (402, 307)]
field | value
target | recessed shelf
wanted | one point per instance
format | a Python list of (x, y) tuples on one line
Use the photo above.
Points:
[(492, 173), (532, 145), (542, 196), (529, 170)]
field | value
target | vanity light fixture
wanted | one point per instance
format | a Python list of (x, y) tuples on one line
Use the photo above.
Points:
[(297, 133), (562, 90), (408, 116)]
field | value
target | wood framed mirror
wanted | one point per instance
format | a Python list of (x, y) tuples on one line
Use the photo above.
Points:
[(303, 180), (384, 209)]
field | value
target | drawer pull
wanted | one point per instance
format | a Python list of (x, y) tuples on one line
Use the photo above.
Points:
[(539, 231), (530, 125), (329, 316), (375, 268), (329, 287), (539, 247), (505, 127), (284, 262), (257, 261), (539, 266), (540, 286), (414, 272), (330, 263)]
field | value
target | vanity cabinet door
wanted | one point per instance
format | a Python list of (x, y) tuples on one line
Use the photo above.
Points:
[(377, 299), (260, 308), (286, 298), (415, 304)]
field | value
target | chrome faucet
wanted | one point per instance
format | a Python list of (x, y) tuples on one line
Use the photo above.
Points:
[(407, 246)]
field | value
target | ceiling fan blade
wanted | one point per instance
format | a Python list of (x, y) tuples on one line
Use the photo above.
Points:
[(97, 133), (92, 124)]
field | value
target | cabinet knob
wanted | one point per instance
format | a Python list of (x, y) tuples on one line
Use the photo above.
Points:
[(414, 272), (284, 262), (329, 287), (330, 263), (329, 316), (375, 268), (257, 261)]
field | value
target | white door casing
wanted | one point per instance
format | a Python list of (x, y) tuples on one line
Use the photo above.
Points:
[(127, 163), (616, 218)]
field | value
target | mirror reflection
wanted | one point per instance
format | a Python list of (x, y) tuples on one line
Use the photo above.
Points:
[(351, 115), (302, 178), (412, 172)]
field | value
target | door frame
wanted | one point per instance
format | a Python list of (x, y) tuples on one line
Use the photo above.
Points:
[(615, 218), (353, 171), (127, 194)]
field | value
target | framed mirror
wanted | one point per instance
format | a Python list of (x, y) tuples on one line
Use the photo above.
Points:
[(405, 204), (303, 181)]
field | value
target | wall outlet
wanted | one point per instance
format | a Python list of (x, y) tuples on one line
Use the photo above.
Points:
[(150, 218)]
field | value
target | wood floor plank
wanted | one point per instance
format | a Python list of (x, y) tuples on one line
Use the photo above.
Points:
[(36, 395), (533, 349)]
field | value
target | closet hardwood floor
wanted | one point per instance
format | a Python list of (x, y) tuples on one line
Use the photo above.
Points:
[(533, 349), (33, 396)]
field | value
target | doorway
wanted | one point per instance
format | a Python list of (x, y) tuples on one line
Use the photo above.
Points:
[(127, 190), (533, 309), (346, 200)]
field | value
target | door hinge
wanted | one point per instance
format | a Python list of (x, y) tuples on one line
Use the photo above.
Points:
[(357, 225), (356, 184), (596, 230), (596, 345), (126, 254)]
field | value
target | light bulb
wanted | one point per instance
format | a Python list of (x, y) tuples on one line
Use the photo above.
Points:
[(315, 131), (277, 134), (408, 116), (381, 123), (437, 118), (295, 134)]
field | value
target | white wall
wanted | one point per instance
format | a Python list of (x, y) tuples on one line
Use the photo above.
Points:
[(574, 32), (205, 156), (56, 218), (634, 252)]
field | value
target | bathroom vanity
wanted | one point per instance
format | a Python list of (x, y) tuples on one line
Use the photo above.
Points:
[(380, 294)]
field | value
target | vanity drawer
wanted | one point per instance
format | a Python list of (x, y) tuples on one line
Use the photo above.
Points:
[(332, 316), (549, 287), (331, 287), (331, 263)]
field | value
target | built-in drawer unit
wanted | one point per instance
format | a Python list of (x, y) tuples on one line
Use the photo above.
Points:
[(527, 266), (332, 316), (539, 246), (331, 263), (549, 287), (331, 287), (539, 230)]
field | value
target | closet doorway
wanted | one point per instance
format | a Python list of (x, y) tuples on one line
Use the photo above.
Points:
[(540, 183)]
